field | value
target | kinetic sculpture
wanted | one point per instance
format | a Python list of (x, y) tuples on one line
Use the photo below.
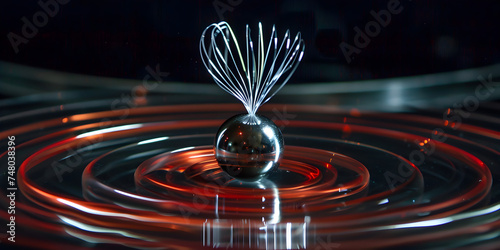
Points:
[(249, 146)]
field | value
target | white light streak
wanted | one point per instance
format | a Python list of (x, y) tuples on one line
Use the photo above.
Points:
[(109, 130), (153, 140)]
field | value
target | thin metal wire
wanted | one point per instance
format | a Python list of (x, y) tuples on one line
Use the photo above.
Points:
[(252, 79)]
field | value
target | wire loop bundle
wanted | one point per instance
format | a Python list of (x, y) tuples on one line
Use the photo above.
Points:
[(254, 72)]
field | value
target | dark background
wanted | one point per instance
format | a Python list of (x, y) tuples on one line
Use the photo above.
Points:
[(120, 38)]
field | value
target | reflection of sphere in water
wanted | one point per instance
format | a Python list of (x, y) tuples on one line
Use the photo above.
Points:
[(248, 146)]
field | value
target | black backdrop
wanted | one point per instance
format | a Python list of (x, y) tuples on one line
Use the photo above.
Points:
[(119, 38)]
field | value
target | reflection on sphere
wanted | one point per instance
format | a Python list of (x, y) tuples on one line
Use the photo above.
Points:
[(248, 146)]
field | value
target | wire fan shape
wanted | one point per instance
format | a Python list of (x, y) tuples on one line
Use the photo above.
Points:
[(256, 73)]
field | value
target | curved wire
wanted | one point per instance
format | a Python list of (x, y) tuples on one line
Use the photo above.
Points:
[(253, 77)]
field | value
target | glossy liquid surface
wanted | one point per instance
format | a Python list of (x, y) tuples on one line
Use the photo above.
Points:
[(89, 176)]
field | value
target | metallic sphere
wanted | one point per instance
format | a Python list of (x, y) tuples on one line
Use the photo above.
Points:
[(248, 146)]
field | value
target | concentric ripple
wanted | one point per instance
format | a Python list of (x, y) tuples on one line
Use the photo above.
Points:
[(146, 177)]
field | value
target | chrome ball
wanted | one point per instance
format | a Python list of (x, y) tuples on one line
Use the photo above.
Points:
[(249, 146)]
